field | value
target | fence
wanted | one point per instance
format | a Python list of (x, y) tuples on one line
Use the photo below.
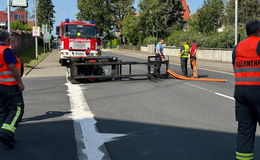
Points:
[(219, 55), (21, 40)]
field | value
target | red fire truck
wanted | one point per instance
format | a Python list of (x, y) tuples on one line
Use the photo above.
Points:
[(77, 39)]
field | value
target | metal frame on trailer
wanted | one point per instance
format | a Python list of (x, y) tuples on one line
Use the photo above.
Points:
[(79, 65)]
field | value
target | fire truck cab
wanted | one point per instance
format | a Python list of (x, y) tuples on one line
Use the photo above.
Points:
[(77, 39)]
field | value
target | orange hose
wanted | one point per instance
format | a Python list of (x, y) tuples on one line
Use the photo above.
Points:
[(175, 75)]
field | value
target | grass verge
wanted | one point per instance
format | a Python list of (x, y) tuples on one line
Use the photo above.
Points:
[(27, 56)]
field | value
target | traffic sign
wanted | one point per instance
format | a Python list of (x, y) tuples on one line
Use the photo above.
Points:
[(44, 29), (47, 37), (36, 31), (19, 3)]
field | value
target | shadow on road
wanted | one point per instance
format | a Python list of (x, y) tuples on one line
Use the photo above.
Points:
[(203, 76), (159, 142), (55, 140), (43, 141), (47, 115)]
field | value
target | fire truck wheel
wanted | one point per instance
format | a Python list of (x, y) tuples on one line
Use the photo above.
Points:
[(63, 62)]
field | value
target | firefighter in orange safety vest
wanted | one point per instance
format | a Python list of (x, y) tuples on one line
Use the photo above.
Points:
[(246, 62), (11, 87)]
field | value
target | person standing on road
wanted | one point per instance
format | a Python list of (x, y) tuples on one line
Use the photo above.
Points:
[(159, 55), (11, 87), (246, 62), (184, 55), (193, 59)]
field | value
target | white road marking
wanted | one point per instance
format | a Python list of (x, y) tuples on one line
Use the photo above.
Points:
[(208, 90), (86, 132), (212, 70), (228, 97)]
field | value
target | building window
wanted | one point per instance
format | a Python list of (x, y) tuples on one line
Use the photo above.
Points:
[(18, 17)]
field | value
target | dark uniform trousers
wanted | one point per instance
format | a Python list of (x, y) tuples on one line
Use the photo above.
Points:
[(11, 109), (247, 114), (184, 62), (157, 69)]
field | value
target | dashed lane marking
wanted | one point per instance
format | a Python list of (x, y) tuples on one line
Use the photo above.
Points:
[(228, 97), (208, 90)]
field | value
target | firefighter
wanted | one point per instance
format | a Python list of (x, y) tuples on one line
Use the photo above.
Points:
[(184, 55), (11, 87), (246, 62), (193, 59), (159, 56)]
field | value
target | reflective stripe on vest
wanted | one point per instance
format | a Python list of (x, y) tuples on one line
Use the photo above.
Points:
[(5, 73), (7, 80), (247, 62), (6, 77)]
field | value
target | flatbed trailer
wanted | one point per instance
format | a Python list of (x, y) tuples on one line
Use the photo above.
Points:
[(86, 69)]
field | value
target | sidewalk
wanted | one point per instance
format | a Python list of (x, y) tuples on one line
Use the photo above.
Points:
[(46, 132), (202, 64)]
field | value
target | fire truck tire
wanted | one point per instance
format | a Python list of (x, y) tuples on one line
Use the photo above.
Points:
[(63, 62)]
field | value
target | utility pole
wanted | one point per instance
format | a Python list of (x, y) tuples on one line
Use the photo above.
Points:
[(236, 22), (9, 16), (36, 24)]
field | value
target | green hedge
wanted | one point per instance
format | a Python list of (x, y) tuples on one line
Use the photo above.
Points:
[(225, 39), (20, 26), (150, 40), (113, 44)]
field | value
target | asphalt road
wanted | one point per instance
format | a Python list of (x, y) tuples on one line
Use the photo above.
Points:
[(46, 131), (168, 120), (135, 119)]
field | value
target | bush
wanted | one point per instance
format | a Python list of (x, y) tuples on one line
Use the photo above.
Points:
[(113, 44), (20, 26), (214, 40), (150, 40)]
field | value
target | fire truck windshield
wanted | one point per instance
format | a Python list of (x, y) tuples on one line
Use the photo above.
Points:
[(80, 31)]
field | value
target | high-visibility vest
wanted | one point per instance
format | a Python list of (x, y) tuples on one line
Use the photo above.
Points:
[(186, 51), (6, 77), (247, 62)]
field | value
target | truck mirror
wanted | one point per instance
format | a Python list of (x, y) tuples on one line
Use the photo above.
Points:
[(57, 30)]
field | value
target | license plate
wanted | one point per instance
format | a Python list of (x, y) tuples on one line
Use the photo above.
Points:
[(79, 54)]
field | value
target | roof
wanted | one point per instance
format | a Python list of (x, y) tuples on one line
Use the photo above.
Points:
[(3, 16), (186, 15)]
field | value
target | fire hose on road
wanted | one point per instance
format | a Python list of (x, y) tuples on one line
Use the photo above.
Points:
[(175, 75)]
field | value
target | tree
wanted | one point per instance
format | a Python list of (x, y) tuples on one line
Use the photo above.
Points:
[(158, 16), (45, 13), (172, 12), (209, 17), (107, 14), (151, 18), (121, 8), (131, 29), (99, 11), (248, 10)]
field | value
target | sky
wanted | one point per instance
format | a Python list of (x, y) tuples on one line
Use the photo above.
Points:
[(68, 8), (194, 4)]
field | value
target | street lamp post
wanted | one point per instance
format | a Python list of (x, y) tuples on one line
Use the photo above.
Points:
[(36, 24), (236, 22), (9, 16)]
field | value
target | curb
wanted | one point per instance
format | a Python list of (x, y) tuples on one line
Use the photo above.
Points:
[(25, 74)]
